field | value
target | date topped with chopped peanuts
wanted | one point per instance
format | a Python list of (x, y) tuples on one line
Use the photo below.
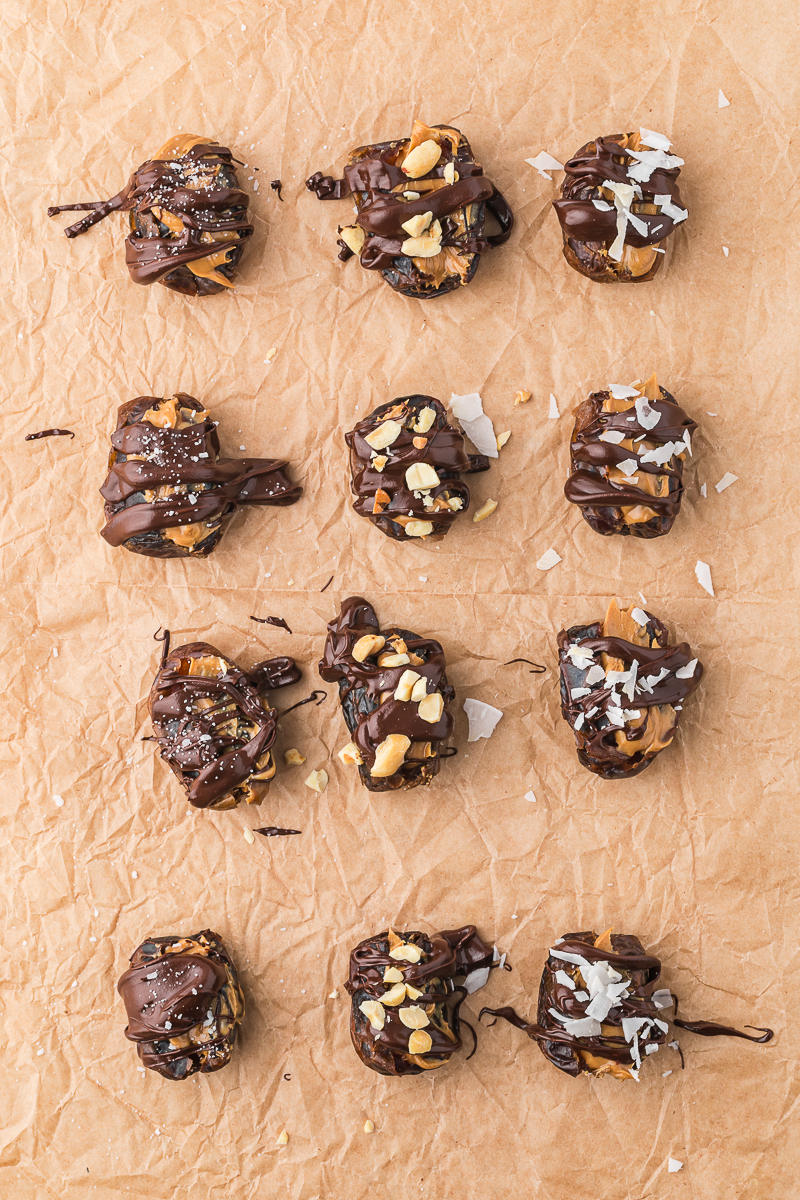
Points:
[(405, 999), (405, 463), (394, 695)]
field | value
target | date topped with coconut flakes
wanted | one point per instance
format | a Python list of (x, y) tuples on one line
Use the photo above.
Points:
[(627, 454), (619, 205), (623, 688), (420, 210), (599, 1010)]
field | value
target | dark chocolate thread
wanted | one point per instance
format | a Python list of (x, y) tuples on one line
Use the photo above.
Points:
[(43, 433)]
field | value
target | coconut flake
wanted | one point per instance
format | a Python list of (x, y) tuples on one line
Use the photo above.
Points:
[(631, 1026), (628, 466), (548, 560), (565, 979), (674, 1164), (620, 391), (615, 436), (722, 100), (595, 674), (670, 209), (581, 657), (639, 616), (543, 163), (482, 719), (530, 796), (582, 1027), (648, 161), (476, 425), (647, 417), (577, 693), (603, 205), (662, 998), (725, 251), (579, 720), (658, 141), (476, 980), (651, 1048), (703, 572), (703, 490), (600, 1007), (726, 481), (553, 413), (688, 671)]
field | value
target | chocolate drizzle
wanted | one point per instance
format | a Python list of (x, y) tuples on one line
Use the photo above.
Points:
[(375, 178), (624, 1037), (646, 503), (278, 622), (589, 231), (211, 725), (45, 433), (379, 480), (434, 996), (188, 217), (184, 1004), (367, 688), (275, 831), (167, 493), (620, 725)]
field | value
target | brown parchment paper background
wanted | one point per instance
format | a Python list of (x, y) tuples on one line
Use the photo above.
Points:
[(698, 856)]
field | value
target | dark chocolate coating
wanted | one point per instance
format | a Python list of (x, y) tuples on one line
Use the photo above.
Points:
[(444, 955), (184, 1004), (214, 730), (371, 720), (588, 232), (376, 183), (602, 500), (640, 972), (383, 497), (596, 738), (162, 244), (145, 457)]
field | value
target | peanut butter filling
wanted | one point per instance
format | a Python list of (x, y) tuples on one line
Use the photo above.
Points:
[(658, 720)]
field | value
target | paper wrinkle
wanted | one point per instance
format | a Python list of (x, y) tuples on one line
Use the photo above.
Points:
[(685, 856)]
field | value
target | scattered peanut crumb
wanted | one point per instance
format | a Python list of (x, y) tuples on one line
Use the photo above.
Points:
[(293, 758), (369, 1127), (485, 510), (248, 835), (317, 781), (522, 397), (334, 995), (283, 1138), (270, 355), (502, 438)]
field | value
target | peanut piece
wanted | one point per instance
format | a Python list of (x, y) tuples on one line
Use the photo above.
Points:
[(395, 995), (353, 237), (425, 419), (450, 173), (485, 510), (414, 1017), (502, 438), (419, 529), (405, 688), (317, 781), (406, 951), (379, 462), (522, 397), (420, 443), (293, 758), (369, 1127), (367, 645), (420, 689), (421, 247), (420, 477), (392, 660), (386, 433), (420, 1042), (421, 159), (350, 755), (455, 503), (389, 756), (283, 1138), (373, 1011), (392, 975), (382, 498), (415, 226), (431, 708)]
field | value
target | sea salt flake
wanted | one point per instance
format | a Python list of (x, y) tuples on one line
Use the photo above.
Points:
[(726, 481), (543, 163), (549, 559), (476, 425), (703, 572), (483, 719), (58, 801), (726, 252)]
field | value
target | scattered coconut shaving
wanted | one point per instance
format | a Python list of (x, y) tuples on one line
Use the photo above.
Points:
[(483, 719), (674, 1164), (703, 572), (725, 251), (704, 490), (476, 425), (639, 615), (553, 413), (530, 797), (722, 100), (726, 481), (543, 163), (621, 391), (549, 559)]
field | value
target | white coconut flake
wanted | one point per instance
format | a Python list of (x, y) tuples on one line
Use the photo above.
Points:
[(579, 720), (726, 481), (639, 615), (662, 998), (615, 436), (476, 425), (651, 1048), (640, 226), (670, 209), (658, 141), (648, 161), (565, 979), (722, 100), (631, 1026), (628, 466), (600, 1007), (703, 490), (553, 413), (549, 559), (674, 1164), (642, 598), (543, 163), (688, 671), (530, 797), (482, 718), (582, 1027), (58, 801), (476, 980), (647, 417), (725, 251), (621, 391), (595, 674), (579, 692), (603, 205), (577, 960), (703, 572), (664, 1074)]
